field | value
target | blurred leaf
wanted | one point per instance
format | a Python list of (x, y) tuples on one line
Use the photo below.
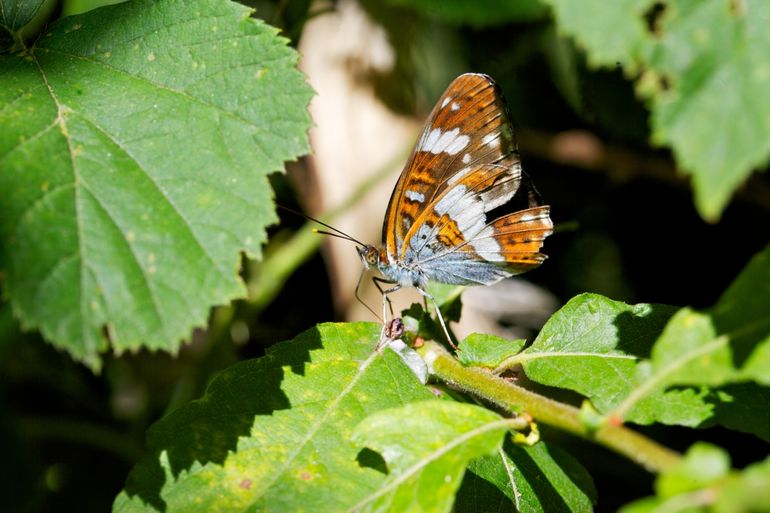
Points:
[(475, 14), (702, 484), (537, 479), (610, 32), (701, 466), (487, 350), (747, 491), (427, 446), (716, 113), (135, 150), (274, 434), (14, 14), (706, 74)]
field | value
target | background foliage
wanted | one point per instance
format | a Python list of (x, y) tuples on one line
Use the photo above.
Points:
[(135, 147)]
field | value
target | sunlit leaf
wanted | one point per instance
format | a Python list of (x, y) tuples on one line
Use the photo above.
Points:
[(275, 433), (134, 154), (705, 77), (427, 446)]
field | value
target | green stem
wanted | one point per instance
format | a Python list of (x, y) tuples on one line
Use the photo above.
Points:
[(481, 383)]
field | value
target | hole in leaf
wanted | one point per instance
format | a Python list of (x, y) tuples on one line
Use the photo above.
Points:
[(653, 18), (370, 459)]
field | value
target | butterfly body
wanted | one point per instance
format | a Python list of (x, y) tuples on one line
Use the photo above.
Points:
[(464, 166)]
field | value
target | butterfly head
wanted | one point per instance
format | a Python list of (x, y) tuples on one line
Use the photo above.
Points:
[(369, 255)]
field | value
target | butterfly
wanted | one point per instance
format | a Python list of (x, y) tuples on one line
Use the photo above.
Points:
[(453, 215), (442, 221)]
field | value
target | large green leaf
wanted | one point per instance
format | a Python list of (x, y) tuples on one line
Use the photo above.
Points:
[(727, 344), (275, 434), (603, 349), (706, 77), (427, 446), (134, 155), (592, 346), (638, 363)]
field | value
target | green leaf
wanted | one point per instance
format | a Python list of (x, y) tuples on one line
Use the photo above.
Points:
[(702, 465), (610, 32), (487, 350), (427, 446), (743, 314), (470, 12), (704, 62), (274, 434), (135, 149), (729, 344), (701, 483), (746, 491), (15, 14), (714, 56), (592, 345), (537, 479)]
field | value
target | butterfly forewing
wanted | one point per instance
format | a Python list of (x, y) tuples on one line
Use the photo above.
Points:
[(464, 166), (467, 133)]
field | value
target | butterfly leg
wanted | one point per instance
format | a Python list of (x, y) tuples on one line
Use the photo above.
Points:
[(358, 297), (377, 280), (440, 317), (385, 304)]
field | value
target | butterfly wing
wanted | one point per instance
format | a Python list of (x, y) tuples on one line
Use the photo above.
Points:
[(468, 128), (464, 165)]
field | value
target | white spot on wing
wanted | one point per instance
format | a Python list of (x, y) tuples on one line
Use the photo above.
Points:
[(450, 141), (459, 175), (446, 100), (430, 140), (486, 245), (466, 158), (455, 106), (415, 196), (491, 140), (466, 210)]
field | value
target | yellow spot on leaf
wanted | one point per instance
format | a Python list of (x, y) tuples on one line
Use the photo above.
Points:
[(151, 57), (130, 236), (152, 269), (44, 186), (107, 55), (151, 257)]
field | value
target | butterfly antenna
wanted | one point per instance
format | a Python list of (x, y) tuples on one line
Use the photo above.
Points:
[(338, 233)]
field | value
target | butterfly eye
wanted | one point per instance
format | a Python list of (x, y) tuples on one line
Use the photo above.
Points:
[(372, 255)]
